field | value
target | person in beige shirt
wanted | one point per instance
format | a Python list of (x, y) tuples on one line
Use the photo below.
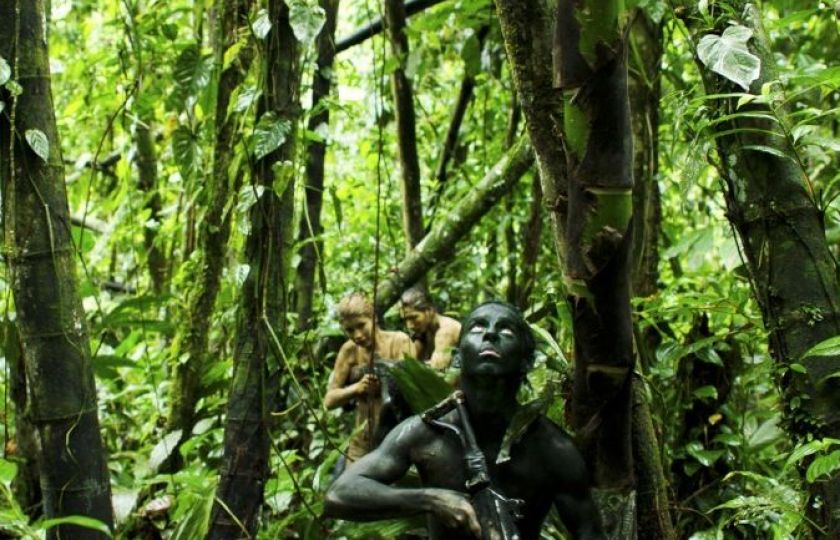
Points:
[(434, 335), (350, 380)]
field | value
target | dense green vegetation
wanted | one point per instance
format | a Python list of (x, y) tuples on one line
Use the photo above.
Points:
[(185, 136)]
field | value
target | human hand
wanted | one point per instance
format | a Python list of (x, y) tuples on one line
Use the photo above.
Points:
[(368, 383), (454, 510)]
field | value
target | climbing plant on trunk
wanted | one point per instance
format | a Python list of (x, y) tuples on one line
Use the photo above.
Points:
[(261, 319), (773, 207), (225, 180), (41, 260)]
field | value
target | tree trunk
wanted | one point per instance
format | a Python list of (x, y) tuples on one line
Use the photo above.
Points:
[(311, 246), (25, 446), (772, 206), (653, 502), (41, 259), (591, 212), (261, 321), (645, 92), (191, 345), (147, 182), (412, 210), (590, 67), (531, 241), (439, 244)]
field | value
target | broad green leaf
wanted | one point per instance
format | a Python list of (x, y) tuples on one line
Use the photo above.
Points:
[(706, 392), (823, 465), (124, 502), (39, 143), (828, 347), (192, 73), (306, 19), (261, 25), (81, 521), (8, 470), (14, 88), (247, 97), (269, 134), (185, 148), (808, 449), (5, 71), (194, 523), (768, 150), (163, 449), (728, 55), (421, 386)]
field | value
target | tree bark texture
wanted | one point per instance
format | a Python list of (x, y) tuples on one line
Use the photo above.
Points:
[(262, 314), (309, 235), (526, 28), (531, 241), (653, 501), (439, 244), (772, 207), (41, 259), (190, 348), (147, 183), (412, 210), (653, 513), (25, 446)]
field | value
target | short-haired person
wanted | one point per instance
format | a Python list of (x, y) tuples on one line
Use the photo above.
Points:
[(357, 320), (434, 335), (496, 349)]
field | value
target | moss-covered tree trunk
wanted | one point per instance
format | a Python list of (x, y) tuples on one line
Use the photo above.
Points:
[(395, 21), (781, 230), (41, 261), (311, 246), (439, 244), (190, 347), (261, 318), (644, 85), (147, 180)]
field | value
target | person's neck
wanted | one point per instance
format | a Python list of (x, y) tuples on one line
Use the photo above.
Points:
[(491, 403)]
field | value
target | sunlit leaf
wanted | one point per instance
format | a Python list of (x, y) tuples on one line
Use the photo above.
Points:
[(164, 448), (828, 347), (39, 143), (823, 466), (5, 71), (81, 521), (269, 134), (261, 25), (728, 55), (306, 20), (8, 470)]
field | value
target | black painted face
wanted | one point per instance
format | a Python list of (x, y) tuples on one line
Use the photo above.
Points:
[(490, 343)]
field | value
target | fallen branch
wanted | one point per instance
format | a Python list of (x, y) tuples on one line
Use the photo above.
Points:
[(438, 246), (411, 7)]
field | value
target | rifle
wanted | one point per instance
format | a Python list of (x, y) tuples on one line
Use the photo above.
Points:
[(497, 514)]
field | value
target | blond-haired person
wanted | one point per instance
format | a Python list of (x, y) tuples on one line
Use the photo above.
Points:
[(365, 338)]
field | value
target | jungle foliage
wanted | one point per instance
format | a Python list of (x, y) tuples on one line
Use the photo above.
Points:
[(230, 176)]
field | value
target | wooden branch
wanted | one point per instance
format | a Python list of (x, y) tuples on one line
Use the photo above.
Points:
[(438, 246), (412, 7)]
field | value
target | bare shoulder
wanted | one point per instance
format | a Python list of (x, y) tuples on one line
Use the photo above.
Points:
[(558, 452), (410, 434), (399, 342), (346, 354), (449, 330)]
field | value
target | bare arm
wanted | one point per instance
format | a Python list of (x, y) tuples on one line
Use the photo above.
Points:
[(363, 492), (445, 339), (574, 503), (337, 392)]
